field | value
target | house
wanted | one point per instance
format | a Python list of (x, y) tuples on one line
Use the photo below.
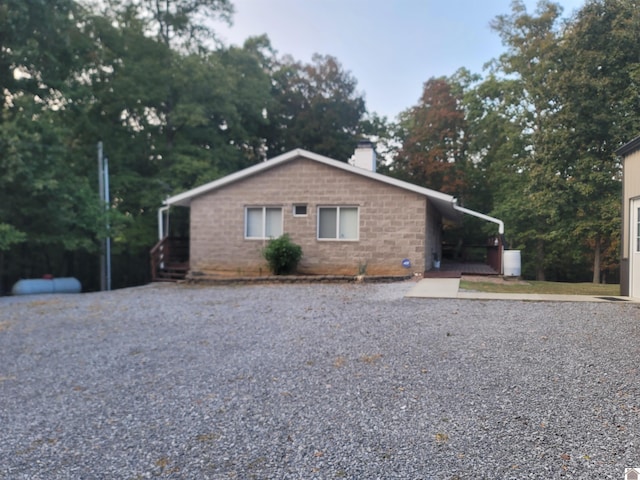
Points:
[(347, 218), (631, 473), (630, 237)]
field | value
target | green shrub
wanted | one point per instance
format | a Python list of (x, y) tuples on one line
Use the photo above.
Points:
[(282, 255)]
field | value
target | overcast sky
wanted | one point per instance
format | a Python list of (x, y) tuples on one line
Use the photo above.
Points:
[(390, 46)]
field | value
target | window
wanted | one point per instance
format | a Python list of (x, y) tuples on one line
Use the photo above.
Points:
[(263, 222), (338, 223), (300, 210)]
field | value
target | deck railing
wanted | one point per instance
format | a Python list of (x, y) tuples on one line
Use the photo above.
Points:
[(170, 259)]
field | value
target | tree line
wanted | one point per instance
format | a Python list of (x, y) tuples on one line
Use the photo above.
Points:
[(173, 107), (531, 141)]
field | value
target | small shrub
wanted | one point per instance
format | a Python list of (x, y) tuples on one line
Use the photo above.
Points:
[(282, 255)]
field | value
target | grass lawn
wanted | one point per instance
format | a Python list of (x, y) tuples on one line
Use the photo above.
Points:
[(520, 286)]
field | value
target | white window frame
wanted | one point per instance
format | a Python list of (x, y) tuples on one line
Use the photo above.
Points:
[(338, 238), (264, 221), (295, 205)]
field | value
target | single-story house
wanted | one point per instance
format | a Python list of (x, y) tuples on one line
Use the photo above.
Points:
[(630, 236), (347, 218)]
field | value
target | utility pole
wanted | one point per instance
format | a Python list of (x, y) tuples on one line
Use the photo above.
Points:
[(107, 204), (105, 248), (103, 262)]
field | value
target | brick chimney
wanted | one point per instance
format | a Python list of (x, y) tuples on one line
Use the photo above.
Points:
[(364, 156)]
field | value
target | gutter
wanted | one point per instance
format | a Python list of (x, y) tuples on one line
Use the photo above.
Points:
[(482, 216)]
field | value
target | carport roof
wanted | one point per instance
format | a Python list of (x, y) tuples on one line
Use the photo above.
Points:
[(443, 202)]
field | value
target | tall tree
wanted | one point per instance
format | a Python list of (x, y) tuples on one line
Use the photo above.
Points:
[(39, 44), (184, 25), (165, 129), (598, 88), (48, 215), (317, 108), (433, 153), (536, 207), (494, 141)]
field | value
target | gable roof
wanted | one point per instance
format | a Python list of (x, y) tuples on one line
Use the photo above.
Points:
[(446, 204)]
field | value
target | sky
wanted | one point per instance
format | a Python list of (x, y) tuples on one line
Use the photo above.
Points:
[(390, 47)]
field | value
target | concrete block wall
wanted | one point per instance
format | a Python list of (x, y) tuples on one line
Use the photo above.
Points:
[(392, 223)]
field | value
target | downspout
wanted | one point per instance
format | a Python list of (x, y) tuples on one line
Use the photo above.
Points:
[(161, 211), (488, 219), (482, 216)]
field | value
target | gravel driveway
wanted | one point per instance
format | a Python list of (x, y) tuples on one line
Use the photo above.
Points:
[(315, 382)]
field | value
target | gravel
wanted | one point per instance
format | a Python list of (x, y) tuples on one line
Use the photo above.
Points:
[(315, 382)]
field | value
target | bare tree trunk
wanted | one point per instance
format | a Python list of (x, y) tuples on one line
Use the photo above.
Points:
[(596, 260), (540, 260)]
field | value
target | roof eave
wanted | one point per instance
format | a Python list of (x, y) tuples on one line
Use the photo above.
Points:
[(184, 199), (629, 147), (444, 202)]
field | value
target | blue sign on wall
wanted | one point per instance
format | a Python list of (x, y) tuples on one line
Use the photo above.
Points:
[(406, 263)]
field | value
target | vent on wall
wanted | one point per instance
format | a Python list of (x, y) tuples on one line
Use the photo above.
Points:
[(300, 210)]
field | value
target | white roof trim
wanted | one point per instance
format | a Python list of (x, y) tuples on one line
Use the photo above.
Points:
[(445, 203)]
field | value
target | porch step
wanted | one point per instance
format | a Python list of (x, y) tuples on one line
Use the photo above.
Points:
[(169, 259), (172, 272)]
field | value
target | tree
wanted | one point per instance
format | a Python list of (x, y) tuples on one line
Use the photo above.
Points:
[(165, 130), (536, 207), (317, 108), (39, 44), (45, 195), (433, 153), (184, 25), (597, 87), (383, 133), (49, 216), (172, 111)]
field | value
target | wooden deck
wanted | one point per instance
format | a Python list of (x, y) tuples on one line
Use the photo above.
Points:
[(456, 270)]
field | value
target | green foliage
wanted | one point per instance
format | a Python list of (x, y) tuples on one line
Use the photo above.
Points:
[(531, 143), (175, 21), (317, 108), (432, 153), (598, 81), (173, 108), (282, 255), (576, 81), (9, 236)]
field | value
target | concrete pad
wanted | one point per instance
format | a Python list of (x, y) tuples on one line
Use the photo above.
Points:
[(435, 288)]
